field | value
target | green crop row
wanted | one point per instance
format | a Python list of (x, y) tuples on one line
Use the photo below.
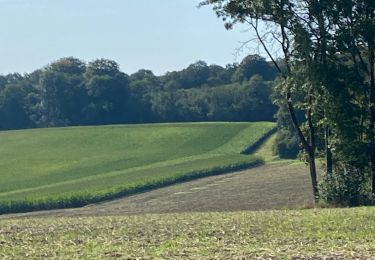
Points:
[(50, 199), (69, 167)]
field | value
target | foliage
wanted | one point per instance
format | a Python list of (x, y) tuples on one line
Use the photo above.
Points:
[(107, 89), (287, 144), (249, 101), (60, 93), (14, 113), (345, 186), (71, 92), (254, 65), (328, 74)]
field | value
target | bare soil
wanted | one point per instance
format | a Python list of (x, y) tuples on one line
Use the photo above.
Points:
[(278, 185)]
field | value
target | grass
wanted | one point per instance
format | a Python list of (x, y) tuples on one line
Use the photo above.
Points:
[(64, 167), (273, 234), (266, 149), (317, 233)]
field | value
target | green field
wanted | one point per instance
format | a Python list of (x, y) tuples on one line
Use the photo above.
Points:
[(64, 167), (69, 164), (304, 234)]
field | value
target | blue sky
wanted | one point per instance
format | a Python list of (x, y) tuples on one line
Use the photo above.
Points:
[(161, 35)]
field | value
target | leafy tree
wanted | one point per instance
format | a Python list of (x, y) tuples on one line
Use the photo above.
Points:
[(195, 75), (164, 107), (278, 15), (254, 65), (171, 80), (260, 105), (62, 94), (319, 40), (14, 113), (218, 76), (142, 84), (108, 91)]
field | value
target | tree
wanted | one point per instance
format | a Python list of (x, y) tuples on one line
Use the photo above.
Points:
[(195, 75), (108, 91), (258, 96), (356, 37), (278, 15), (141, 85), (61, 93), (14, 112), (217, 76), (254, 65), (317, 37)]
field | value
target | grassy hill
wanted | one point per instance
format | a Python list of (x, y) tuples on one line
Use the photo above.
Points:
[(273, 234), (63, 167), (294, 234)]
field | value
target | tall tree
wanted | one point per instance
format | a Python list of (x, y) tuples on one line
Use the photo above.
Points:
[(254, 65), (279, 19), (14, 112), (315, 36), (108, 90), (61, 92)]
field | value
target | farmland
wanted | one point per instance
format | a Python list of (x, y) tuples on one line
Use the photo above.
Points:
[(315, 233), (277, 185), (214, 217), (64, 167)]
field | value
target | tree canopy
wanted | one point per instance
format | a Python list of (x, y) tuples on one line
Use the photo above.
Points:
[(73, 92), (327, 54)]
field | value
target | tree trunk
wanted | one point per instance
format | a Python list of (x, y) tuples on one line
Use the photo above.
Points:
[(285, 47), (313, 175), (323, 60), (372, 117), (329, 162), (312, 149), (307, 147)]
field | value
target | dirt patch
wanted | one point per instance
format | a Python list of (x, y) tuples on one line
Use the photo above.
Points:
[(278, 185)]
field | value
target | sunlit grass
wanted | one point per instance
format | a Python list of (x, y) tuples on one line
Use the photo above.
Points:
[(317, 234), (57, 166)]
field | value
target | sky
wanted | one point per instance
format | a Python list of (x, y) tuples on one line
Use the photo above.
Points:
[(160, 35)]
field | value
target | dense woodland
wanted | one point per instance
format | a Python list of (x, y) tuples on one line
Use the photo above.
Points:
[(71, 92)]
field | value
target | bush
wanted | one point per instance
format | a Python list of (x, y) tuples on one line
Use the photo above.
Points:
[(287, 145), (346, 186)]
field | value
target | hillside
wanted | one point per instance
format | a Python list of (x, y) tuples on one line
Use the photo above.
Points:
[(110, 230), (64, 167)]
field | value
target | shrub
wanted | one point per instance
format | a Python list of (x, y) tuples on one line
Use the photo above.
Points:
[(346, 186)]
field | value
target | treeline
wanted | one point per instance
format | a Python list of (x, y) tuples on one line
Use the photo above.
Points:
[(72, 92), (326, 89)]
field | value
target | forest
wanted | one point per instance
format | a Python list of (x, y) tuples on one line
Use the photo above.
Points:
[(71, 92)]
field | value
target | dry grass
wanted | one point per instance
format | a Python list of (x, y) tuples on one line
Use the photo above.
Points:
[(318, 234)]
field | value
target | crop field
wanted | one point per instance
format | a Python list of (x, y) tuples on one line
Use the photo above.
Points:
[(277, 185), (312, 234), (64, 167), (111, 231)]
